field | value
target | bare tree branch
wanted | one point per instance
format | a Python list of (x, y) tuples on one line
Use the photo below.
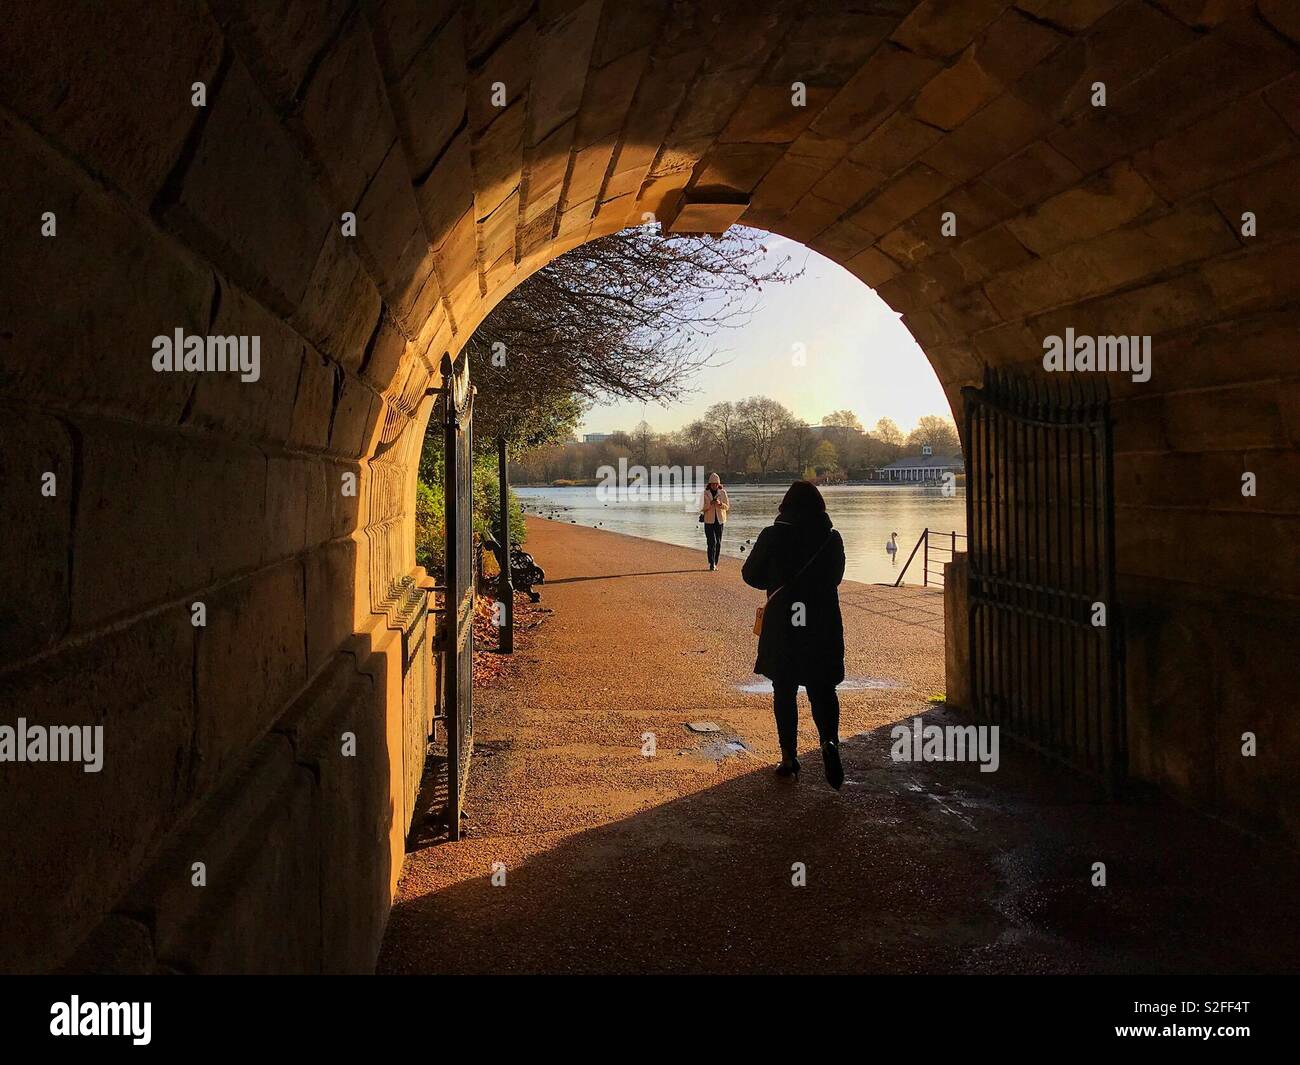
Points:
[(628, 316)]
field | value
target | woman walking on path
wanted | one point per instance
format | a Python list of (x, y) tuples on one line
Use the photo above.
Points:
[(799, 562), (713, 512)]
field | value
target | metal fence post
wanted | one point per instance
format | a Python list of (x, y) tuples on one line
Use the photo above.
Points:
[(505, 590)]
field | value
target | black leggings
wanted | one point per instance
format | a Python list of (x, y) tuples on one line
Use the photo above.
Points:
[(713, 534), (825, 711)]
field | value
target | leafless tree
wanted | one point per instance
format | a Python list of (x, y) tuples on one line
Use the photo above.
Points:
[(799, 443), (842, 419), (643, 437), (765, 422), (629, 316), (888, 431), (937, 431), (725, 428)]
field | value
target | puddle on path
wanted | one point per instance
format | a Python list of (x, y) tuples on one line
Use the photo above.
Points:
[(719, 745), (719, 749), (763, 686)]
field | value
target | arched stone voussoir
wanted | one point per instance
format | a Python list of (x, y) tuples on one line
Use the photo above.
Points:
[(358, 185)]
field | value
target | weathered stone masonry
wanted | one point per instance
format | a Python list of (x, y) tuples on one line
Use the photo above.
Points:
[(222, 742)]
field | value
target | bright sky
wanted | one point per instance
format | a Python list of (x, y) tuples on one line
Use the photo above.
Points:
[(859, 355)]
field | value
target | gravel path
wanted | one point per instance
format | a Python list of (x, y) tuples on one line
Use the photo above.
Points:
[(682, 862)]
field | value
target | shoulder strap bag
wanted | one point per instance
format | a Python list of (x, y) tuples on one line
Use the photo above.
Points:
[(758, 611)]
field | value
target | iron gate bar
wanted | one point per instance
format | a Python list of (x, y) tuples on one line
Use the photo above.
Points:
[(1067, 651), (1043, 594), (458, 500), (1041, 552), (1020, 514), (1106, 519)]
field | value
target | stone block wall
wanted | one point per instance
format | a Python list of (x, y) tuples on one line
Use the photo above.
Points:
[(222, 741), (229, 218)]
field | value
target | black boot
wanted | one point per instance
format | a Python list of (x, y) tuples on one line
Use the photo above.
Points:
[(789, 766), (831, 761)]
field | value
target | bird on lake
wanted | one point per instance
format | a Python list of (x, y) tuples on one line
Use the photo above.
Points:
[(891, 546)]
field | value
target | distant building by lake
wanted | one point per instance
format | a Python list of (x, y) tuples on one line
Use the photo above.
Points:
[(595, 438), (926, 466)]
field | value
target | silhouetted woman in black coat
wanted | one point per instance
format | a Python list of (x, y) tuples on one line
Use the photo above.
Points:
[(799, 562)]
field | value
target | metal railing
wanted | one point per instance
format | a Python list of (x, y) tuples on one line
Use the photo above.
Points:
[(945, 542)]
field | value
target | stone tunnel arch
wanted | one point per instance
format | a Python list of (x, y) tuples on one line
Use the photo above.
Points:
[(191, 167)]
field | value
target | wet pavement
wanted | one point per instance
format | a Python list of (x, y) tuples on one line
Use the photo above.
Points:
[(687, 860)]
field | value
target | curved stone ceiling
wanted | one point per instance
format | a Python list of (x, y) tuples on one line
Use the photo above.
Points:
[(1098, 160)]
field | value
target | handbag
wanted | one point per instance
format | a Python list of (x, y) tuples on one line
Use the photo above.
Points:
[(758, 611), (715, 499)]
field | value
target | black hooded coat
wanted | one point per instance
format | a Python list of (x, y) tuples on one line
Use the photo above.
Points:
[(812, 652)]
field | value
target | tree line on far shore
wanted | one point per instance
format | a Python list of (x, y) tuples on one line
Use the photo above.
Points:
[(752, 439), (632, 316), (625, 317)]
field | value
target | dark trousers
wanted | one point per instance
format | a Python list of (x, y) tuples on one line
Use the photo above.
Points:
[(713, 534), (825, 711)]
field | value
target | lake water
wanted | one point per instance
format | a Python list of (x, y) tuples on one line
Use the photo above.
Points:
[(864, 514)]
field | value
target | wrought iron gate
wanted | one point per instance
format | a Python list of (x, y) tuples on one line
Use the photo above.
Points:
[(1045, 643), (458, 671)]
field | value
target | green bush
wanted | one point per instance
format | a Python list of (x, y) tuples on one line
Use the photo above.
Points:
[(487, 509), (430, 529), (430, 525)]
